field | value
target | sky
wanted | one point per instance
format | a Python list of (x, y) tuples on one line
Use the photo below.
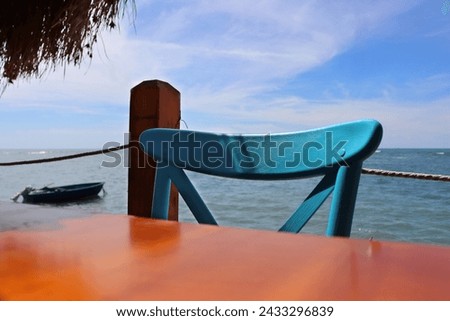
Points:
[(251, 67)]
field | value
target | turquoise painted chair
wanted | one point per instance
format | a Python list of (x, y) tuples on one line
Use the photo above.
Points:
[(334, 152)]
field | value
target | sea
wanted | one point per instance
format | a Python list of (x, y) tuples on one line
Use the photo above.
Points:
[(387, 208)]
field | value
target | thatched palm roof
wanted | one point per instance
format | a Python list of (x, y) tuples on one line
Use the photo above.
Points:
[(39, 34)]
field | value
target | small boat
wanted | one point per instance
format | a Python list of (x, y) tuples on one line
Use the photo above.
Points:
[(59, 194)]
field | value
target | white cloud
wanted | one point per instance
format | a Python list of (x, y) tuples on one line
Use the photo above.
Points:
[(250, 44), (406, 123), (244, 41), (224, 57)]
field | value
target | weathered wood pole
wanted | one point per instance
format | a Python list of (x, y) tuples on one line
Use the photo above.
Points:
[(153, 103)]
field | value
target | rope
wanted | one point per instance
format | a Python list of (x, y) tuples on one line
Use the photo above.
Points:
[(368, 171), (60, 158), (429, 177)]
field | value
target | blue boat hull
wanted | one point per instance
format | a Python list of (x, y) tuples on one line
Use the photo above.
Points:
[(67, 193)]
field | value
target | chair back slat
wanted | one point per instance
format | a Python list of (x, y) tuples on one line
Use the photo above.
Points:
[(271, 156), (311, 204), (191, 197)]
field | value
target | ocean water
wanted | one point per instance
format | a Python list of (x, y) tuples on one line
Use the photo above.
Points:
[(387, 208)]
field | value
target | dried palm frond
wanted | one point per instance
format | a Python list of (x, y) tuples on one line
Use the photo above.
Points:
[(36, 35)]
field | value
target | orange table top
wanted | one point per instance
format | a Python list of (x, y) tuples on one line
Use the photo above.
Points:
[(120, 257)]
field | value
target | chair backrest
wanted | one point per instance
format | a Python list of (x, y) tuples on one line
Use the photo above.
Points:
[(336, 152)]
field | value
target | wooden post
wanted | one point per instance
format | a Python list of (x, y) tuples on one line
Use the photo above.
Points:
[(153, 103)]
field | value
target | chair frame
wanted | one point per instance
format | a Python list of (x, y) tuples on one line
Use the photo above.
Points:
[(334, 152)]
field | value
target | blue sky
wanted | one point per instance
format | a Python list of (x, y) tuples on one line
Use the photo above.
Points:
[(251, 67)]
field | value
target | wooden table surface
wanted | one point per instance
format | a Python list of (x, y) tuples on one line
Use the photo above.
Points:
[(120, 257)]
